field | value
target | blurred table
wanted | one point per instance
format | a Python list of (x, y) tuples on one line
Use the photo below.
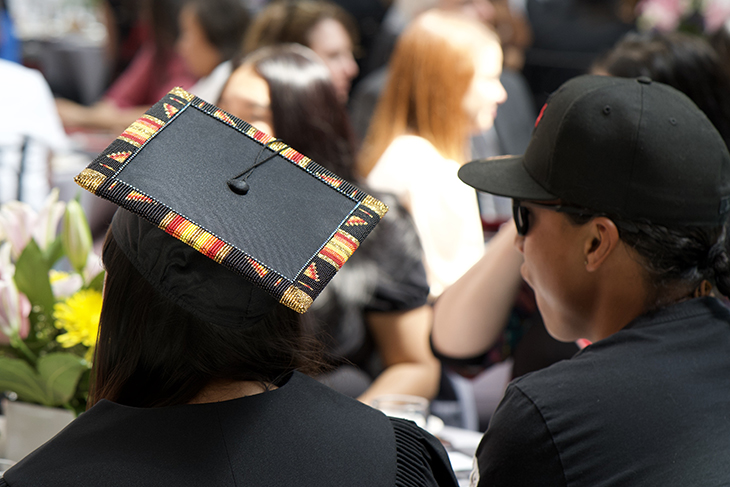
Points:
[(73, 67)]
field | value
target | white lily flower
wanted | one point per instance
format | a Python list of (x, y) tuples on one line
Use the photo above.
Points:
[(45, 227), (17, 220), (14, 306), (7, 269)]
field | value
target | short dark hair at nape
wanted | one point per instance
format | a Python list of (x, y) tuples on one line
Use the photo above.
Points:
[(676, 257), (152, 353)]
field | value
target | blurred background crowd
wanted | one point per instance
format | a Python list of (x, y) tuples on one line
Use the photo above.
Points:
[(393, 95)]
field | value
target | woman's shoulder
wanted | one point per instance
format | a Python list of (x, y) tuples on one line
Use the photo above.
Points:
[(413, 149), (407, 163)]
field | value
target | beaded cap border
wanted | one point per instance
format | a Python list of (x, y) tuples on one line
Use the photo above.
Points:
[(100, 178)]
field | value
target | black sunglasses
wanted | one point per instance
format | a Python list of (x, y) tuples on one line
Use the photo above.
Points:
[(521, 213)]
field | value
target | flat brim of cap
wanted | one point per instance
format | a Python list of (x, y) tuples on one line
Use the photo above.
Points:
[(503, 176)]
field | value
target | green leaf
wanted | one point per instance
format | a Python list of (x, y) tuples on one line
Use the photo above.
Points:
[(60, 373), (31, 277), (19, 377), (97, 283), (54, 252), (54, 384)]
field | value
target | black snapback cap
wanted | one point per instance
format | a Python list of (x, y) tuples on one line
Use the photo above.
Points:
[(209, 184), (631, 148)]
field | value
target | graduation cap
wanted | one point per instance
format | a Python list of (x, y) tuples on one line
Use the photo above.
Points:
[(236, 195)]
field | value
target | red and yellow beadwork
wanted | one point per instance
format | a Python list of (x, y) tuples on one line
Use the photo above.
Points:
[(136, 196), (202, 241), (355, 221), (311, 272), (140, 131), (339, 249), (120, 156), (260, 270)]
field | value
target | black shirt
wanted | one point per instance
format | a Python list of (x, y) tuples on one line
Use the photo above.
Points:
[(648, 406)]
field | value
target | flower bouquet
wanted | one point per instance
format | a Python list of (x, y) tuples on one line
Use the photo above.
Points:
[(50, 301)]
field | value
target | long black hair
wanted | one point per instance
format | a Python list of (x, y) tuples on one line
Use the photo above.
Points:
[(152, 353)]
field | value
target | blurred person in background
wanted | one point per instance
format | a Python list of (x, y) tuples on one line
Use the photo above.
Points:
[(126, 33), (443, 86), (372, 316), (568, 36), (322, 26), (515, 118), (419, 137), (211, 34), (511, 27), (155, 69), (30, 132), (684, 61)]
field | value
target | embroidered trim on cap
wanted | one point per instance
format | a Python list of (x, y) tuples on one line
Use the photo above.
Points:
[(297, 293)]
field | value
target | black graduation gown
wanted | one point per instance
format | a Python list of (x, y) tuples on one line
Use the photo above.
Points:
[(302, 434)]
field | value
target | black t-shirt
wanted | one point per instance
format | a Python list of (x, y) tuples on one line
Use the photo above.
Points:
[(301, 434), (386, 274), (649, 406)]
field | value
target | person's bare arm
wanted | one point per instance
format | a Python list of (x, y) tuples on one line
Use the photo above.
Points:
[(101, 116), (472, 312), (410, 367)]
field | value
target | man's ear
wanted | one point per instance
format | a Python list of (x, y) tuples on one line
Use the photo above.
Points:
[(601, 241)]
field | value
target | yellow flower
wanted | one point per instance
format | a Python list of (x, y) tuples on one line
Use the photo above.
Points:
[(78, 315), (54, 276)]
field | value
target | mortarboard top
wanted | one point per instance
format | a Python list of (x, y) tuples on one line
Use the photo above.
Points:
[(293, 229)]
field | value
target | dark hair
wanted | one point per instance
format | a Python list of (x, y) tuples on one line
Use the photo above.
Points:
[(163, 16), (683, 61), (720, 41), (291, 21), (152, 353), (224, 23), (304, 106), (675, 257)]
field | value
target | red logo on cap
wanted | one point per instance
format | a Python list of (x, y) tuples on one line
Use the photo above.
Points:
[(539, 117)]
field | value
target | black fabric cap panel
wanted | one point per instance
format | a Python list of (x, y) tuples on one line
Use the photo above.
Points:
[(285, 217), (289, 234)]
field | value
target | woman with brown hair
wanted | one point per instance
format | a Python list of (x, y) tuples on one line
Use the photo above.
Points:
[(443, 86), (322, 26)]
